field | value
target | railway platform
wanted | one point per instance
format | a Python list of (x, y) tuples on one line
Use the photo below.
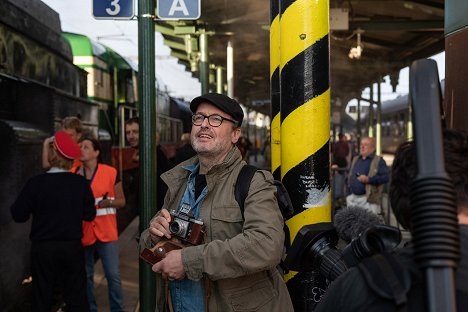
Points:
[(128, 256)]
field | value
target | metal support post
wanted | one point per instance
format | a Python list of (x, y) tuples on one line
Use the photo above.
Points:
[(230, 69), (275, 135), (378, 126), (146, 73), (204, 65), (305, 101), (358, 125), (370, 132), (219, 80)]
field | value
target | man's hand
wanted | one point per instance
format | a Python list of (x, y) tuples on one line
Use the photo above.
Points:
[(171, 266), (159, 226), (363, 179)]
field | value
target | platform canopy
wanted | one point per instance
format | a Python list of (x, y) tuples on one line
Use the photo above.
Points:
[(393, 34)]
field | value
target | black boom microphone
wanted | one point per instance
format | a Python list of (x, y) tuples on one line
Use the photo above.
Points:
[(432, 195)]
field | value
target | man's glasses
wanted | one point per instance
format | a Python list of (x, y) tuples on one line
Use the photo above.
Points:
[(214, 120)]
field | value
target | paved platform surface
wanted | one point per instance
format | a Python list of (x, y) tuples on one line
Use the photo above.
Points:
[(128, 256)]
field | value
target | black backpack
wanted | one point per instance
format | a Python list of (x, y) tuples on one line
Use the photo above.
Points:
[(284, 202)]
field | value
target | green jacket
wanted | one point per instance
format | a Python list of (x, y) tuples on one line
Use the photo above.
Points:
[(238, 259)]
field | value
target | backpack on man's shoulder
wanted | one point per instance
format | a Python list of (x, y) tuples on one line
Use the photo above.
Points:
[(284, 201)]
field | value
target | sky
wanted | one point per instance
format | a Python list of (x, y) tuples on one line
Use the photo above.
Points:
[(122, 36)]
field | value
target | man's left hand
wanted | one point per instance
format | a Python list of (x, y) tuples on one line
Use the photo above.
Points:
[(363, 179), (171, 266)]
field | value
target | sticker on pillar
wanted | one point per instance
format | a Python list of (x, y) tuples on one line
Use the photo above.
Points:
[(316, 196), (178, 9)]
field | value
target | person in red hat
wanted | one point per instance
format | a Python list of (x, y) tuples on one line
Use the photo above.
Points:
[(58, 201), (74, 127)]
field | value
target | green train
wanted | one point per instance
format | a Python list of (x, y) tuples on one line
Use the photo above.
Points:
[(113, 85)]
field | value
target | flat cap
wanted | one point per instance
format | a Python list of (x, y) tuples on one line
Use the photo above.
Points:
[(221, 101), (65, 145)]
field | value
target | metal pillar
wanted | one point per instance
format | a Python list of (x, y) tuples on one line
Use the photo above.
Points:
[(358, 125), (219, 80), (370, 132), (204, 65), (146, 75), (378, 126), (115, 131), (305, 101), (275, 134), (230, 69)]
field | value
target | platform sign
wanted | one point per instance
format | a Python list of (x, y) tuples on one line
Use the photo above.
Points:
[(113, 9), (178, 9)]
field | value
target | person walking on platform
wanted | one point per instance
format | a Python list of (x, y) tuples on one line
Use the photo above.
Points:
[(58, 201), (101, 234), (367, 176), (74, 128), (235, 265), (340, 151)]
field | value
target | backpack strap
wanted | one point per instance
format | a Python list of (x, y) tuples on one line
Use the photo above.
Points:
[(243, 184), (240, 193)]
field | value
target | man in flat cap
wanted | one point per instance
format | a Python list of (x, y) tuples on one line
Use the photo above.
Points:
[(58, 201), (234, 267)]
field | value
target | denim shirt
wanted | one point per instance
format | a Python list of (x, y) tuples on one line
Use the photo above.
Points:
[(188, 295)]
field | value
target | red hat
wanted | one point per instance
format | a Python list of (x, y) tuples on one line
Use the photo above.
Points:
[(65, 145)]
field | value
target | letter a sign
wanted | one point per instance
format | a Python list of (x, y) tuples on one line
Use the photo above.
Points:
[(178, 9)]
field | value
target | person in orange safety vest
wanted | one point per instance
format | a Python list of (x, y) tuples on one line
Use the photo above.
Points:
[(101, 234)]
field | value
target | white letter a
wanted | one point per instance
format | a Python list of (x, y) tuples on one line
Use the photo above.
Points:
[(178, 5)]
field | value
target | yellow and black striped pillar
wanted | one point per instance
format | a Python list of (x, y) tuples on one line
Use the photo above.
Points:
[(305, 115), (275, 134)]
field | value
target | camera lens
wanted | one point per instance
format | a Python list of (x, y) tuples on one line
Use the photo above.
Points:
[(174, 227)]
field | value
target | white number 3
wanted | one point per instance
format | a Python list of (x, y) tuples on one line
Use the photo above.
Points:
[(115, 8)]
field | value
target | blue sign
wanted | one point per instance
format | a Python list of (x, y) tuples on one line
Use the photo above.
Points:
[(178, 9), (113, 9)]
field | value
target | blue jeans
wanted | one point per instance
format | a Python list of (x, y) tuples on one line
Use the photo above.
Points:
[(109, 254), (187, 295)]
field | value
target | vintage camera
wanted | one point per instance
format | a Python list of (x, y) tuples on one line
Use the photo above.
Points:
[(186, 228), (314, 248)]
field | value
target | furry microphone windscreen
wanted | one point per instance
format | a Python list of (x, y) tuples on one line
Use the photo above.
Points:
[(351, 222)]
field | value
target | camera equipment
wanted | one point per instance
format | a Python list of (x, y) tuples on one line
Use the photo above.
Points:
[(187, 229), (158, 252), (314, 248)]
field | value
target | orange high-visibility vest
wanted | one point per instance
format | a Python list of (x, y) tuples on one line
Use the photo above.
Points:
[(104, 226)]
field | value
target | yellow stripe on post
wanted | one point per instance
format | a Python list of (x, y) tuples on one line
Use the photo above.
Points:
[(305, 23), (304, 141)]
